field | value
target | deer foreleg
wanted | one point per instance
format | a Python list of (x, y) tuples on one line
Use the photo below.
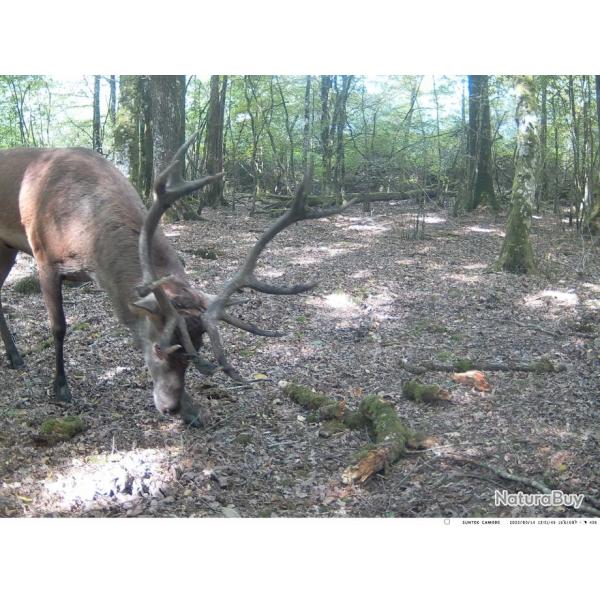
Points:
[(7, 260), (51, 285)]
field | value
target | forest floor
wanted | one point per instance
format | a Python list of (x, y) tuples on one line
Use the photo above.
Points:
[(382, 299)]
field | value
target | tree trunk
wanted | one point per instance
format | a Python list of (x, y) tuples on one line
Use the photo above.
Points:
[(306, 138), (542, 195), (112, 101), (340, 125), (480, 186), (213, 143), (326, 145), (126, 132), (516, 254), (592, 223), (166, 94), (96, 125)]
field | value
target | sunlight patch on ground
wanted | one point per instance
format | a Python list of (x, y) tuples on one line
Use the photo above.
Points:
[(406, 262), (554, 298), (342, 304), (364, 274), (101, 480), (24, 266), (475, 266), (314, 255), (592, 304), (366, 225), (269, 272), (592, 286), (109, 375), (462, 278), (492, 230), (434, 220)]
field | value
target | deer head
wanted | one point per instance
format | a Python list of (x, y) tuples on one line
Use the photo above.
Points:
[(175, 316)]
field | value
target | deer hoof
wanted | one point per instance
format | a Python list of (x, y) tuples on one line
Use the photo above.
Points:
[(194, 417), (62, 393), (15, 361)]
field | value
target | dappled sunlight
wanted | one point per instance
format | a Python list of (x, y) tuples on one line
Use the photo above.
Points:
[(551, 298), (433, 220), (592, 304), (109, 375), (109, 479), (491, 230), (311, 255), (462, 278), (406, 262), (365, 225), (475, 266), (594, 287), (339, 303), (269, 273), (363, 274)]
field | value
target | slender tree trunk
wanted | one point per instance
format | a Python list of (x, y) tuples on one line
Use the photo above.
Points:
[(112, 101), (326, 145), (96, 124), (126, 131), (542, 195), (340, 125), (213, 143), (516, 254), (592, 222), (306, 138)]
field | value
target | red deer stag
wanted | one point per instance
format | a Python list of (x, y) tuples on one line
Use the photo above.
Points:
[(81, 219)]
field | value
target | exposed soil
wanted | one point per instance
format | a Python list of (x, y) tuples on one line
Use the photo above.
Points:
[(382, 299)]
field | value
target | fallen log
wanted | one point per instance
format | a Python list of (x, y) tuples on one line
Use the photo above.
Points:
[(543, 365), (389, 435), (420, 392)]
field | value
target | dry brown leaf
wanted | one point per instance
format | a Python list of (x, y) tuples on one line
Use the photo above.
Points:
[(477, 379)]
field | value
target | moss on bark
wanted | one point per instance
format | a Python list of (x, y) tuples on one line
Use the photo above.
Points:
[(516, 255)]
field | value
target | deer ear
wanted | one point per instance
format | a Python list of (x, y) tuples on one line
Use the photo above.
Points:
[(148, 304)]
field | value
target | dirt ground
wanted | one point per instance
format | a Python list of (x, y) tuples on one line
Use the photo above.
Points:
[(382, 299)]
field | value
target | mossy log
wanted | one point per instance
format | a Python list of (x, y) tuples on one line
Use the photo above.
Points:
[(60, 429), (313, 200), (420, 392), (389, 434), (543, 365)]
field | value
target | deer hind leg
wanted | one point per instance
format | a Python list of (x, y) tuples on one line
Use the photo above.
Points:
[(7, 260), (51, 284)]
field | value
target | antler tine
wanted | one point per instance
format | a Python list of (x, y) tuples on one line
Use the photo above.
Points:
[(168, 187)]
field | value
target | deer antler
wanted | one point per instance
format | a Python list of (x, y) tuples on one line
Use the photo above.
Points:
[(245, 278), (169, 187)]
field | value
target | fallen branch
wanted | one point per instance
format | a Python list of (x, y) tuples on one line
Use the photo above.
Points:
[(543, 365), (390, 436), (532, 483), (415, 390)]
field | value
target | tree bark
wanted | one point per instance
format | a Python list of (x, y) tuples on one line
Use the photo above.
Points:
[(96, 125), (326, 145), (516, 254), (213, 143), (166, 95), (126, 131), (542, 195), (340, 124), (480, 186), (306, 138)]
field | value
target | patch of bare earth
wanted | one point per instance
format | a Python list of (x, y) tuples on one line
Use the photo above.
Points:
[(382, 299)]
